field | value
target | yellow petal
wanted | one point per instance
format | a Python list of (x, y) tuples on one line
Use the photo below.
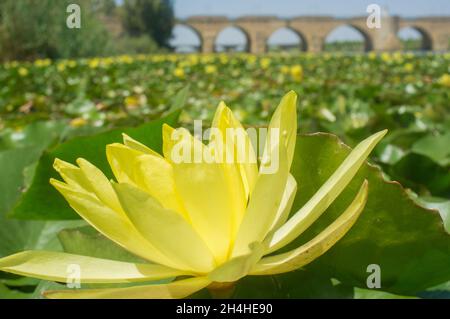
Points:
[(244, 152), (72, 175), (205, 191), (100, 184), (166, 230), (155, 176), (238, 267), (121, 158), (264, 204), (174, 290), (110, 223), (58, 266), (306, 253), (285, 119), (286, 203), (171, 137), (327, 193), (131, 143)]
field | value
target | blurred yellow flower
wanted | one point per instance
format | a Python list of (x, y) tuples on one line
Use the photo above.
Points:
[(72, 63), (42, 62), (265, 63), (94, 63), (210, 69), (78, 122), (125, 59), (179, 72), (386, 57), (284, 69), (23, 71), (444, 80), (408, 67), (131, 101), (61, 66), (296, 72)]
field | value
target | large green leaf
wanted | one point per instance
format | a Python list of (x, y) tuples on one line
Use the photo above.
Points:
[(12, 165), (42, 201), (435, 147), (295, 284), (440, 204), (19, 235), (6, 293), (422, 173), (408, 242), (35, 134)]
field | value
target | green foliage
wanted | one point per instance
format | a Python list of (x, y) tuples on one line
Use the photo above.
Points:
[(346, 46), (142, 44), (154, 18)]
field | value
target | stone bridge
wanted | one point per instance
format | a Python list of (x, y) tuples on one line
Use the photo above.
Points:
[(313, 31)]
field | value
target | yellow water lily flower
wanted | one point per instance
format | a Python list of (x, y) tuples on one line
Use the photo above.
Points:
[(296, 72), (179, 72), (206, 224), (23, 71), (444, 80)]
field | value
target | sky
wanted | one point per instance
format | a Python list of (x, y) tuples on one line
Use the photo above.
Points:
[(292, 8)]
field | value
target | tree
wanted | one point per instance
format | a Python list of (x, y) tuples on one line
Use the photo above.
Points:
[(32, 29), (152, 17), (106, 7)]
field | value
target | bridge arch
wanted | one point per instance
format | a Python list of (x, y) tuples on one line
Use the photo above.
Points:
[(186, 38), (415, 38), (286, 38), (232, 38), (347, 33)]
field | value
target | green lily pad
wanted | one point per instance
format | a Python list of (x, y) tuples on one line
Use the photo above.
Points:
[(376, 294), (422, 174), (35, 134), (435, 147), (407, 241), (440, 204)]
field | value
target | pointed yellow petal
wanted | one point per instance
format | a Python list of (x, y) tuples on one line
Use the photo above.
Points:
[(72, 175), (146, 171), (327, 193), (166, 230), (58, 266), (264, 203), (285, 119), (100, 184), (172, 137), (155, 176), (174, 290), (232, 147), (245, 155), (306, 253), (110, 223), (286, 203), (121, 158), (238, 267), (131, 143)]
